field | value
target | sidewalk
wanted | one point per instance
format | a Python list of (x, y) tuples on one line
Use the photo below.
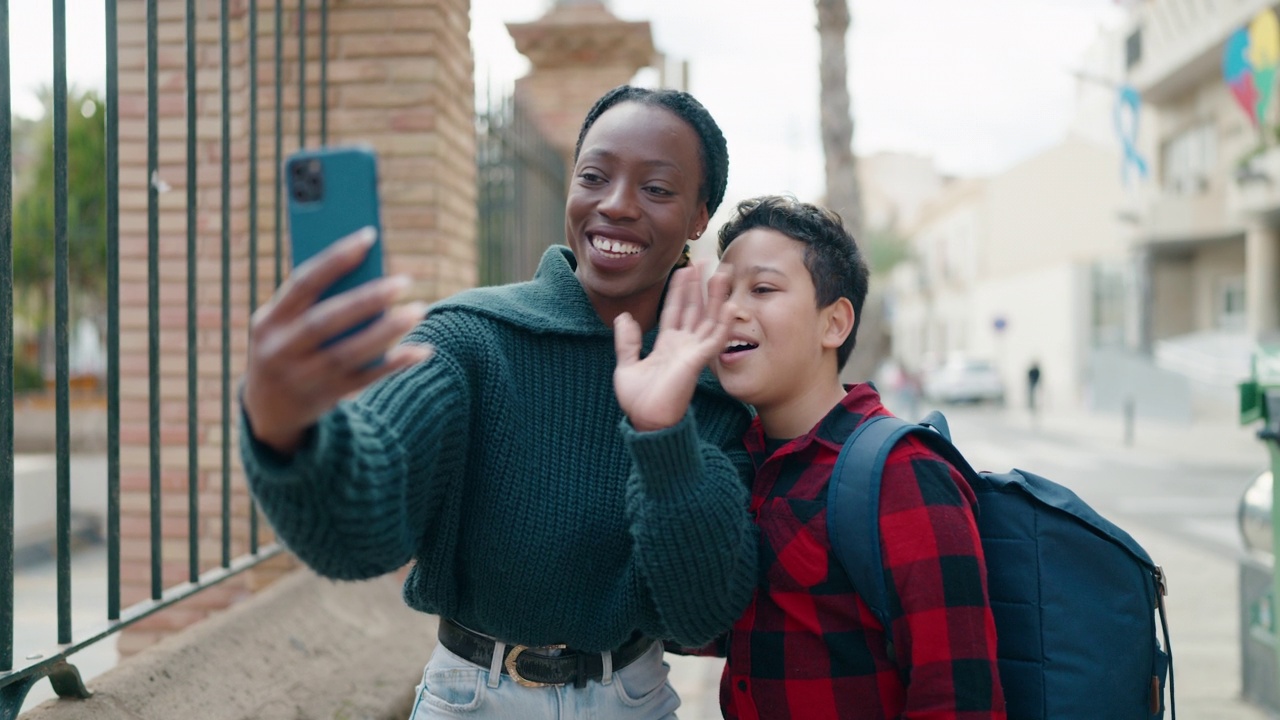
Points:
[(1219, 443)]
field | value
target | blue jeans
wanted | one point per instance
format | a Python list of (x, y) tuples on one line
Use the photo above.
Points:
[(454, 688)]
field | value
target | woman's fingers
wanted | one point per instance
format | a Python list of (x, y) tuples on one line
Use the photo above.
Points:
[(626, 339), (673, 304), (692, 299), (354, 354), (718, 288), (340, 313), (717, 296), (311, 278), (371, 343)]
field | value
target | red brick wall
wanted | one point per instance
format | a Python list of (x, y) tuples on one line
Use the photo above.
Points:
[(400, 80)]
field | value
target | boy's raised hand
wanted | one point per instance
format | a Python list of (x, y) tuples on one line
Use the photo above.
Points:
[(655, 392)]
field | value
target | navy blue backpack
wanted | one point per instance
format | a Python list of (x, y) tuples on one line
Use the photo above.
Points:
[(1074, 597)]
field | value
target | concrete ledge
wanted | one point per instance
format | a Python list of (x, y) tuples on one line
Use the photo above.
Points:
[(306, 647), (35, 426)]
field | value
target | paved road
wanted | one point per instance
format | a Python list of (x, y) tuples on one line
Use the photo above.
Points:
[(1192, 501)]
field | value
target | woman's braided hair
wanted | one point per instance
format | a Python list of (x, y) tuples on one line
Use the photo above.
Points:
[(714, 152)]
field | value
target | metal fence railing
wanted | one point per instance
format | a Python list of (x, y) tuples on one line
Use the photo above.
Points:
[(56, 664), (521, 193)]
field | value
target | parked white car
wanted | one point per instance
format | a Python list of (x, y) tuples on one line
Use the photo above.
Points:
[(964, 380)]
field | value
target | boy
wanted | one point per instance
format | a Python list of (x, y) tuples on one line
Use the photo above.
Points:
[(807, 647)]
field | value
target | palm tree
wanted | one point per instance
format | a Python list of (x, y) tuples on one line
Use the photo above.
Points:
[(843, 194)]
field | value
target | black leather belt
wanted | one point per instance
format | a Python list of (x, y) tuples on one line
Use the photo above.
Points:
[(534, 670)]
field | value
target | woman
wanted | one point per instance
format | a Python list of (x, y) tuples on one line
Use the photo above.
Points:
[(504, 466)]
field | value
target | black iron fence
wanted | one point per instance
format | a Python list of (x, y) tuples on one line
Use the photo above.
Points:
[(56, 664), (521, 193)]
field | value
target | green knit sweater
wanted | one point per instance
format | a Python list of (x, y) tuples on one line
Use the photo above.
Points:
[(505, 469)]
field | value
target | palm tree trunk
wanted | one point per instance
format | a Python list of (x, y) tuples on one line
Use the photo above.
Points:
[(843, 194)]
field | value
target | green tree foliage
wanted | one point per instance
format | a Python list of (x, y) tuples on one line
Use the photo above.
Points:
[(33, 216), (885, 248)]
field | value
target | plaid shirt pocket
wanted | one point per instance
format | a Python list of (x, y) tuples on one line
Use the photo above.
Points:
[(793, 549)]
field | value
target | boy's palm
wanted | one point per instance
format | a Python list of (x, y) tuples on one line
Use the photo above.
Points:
[(655, 392)]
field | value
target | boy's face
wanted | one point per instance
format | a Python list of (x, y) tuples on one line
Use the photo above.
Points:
[(779, 334)]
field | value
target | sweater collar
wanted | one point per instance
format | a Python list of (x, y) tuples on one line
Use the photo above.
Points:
[(554, 301)]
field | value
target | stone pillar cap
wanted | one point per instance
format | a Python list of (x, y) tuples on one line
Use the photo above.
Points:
[(583, 33)]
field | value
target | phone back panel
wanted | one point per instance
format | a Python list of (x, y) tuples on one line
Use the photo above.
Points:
[(348, 202)]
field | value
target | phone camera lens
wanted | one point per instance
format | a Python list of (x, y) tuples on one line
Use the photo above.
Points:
[(306, 180)]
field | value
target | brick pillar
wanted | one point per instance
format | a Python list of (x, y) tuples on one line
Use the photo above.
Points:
[(400, 80), (578, 51)]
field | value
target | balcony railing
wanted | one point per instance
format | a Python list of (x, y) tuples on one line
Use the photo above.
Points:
[(1182, 43)]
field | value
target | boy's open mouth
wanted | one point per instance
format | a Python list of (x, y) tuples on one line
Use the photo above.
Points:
[(737, 346)]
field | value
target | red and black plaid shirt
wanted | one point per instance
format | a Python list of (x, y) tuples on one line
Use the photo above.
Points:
[(808, 648)]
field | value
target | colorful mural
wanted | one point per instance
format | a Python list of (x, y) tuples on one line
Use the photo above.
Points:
[(1249, 64)]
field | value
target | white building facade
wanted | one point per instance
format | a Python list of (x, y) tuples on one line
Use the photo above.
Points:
[(1136, 262), (1208, 232), (1008, 269)]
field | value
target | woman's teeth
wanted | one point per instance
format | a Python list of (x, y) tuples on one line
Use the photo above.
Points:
[(615, 247)]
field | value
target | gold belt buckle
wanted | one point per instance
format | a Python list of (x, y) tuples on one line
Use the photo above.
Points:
[(510, 664)]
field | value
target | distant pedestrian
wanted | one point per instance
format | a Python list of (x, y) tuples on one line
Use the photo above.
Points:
[(1033, 383)]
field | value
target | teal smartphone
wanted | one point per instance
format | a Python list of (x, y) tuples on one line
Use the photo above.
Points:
[(333, 192)]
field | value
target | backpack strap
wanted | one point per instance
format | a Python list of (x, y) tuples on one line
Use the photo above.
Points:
[(1162, 590), (938, 421), (853, 501)]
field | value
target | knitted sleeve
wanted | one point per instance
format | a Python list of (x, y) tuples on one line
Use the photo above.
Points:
[(694, 542), (357, 499)]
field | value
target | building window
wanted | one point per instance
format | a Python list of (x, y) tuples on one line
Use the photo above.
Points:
[(1188, 160), (1230, 302), (1109, 301), (1133, 49)]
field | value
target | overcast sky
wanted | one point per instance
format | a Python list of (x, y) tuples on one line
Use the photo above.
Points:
[(978, 85)]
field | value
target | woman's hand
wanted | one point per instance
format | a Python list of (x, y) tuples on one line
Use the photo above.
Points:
[(655, 392), (290, 379)]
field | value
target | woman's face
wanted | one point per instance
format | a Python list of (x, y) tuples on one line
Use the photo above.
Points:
[(633, 204)]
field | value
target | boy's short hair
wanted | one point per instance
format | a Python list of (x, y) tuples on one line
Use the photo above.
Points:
[(831, 254)]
